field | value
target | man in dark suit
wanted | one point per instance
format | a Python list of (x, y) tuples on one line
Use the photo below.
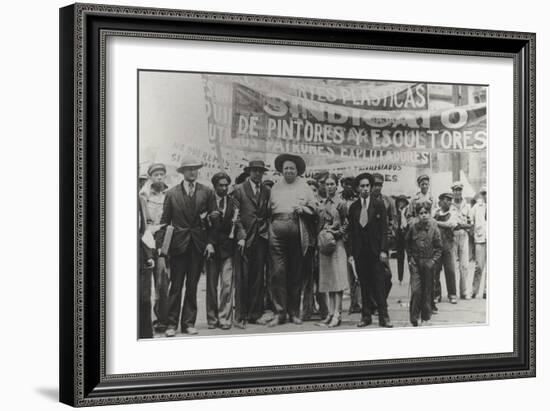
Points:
[(251, 199), (186, 208), (228, 233), (368, 231)]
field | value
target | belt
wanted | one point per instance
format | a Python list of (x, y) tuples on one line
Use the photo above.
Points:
[(284, 216)]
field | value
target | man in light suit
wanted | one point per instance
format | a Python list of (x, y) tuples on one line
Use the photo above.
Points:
[(186, 208), (368, 233), (251, 198)]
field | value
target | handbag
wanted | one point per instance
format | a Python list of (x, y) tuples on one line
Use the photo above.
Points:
[(327, 242)]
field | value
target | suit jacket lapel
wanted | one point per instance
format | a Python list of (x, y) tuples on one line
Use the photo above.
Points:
[(187, 204), (249, 192), (372, 209), (228, 216)]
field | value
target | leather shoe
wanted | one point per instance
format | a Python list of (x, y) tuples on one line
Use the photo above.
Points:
[(365, 322), (325, 322), (190, 331), (296, 320), (386, 323), (211, 326), (414, 323), (225, 326), (241, 324), (170, 332), (336, 321), (274, 322)]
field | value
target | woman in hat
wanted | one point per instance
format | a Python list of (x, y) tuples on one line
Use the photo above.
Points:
[(291, 202), (333, 260)]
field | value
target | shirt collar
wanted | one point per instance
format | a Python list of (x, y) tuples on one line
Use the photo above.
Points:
[(253, 184)]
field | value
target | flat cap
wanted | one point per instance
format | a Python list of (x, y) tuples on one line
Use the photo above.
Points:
[(457, 185), (156, 167), (422, 178)]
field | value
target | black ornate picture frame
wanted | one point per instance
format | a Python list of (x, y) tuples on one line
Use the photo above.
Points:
[(83, 32)]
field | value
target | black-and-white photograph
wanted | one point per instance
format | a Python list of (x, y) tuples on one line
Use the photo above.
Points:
[(272, 204)]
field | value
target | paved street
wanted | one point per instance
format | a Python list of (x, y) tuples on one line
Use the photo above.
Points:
[(465, 312)]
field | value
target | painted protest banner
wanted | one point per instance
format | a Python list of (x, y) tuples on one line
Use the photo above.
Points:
[(284, 123), (339, 124)]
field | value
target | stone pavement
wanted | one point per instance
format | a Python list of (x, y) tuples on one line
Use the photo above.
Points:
[(465, 312)]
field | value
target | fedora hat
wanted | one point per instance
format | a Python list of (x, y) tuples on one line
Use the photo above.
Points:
[(259, 164), (299, 161), (189, 162)]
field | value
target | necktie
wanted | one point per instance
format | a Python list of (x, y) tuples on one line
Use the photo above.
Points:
[(222, 204), (256, 191), (364, 217), (403, 218), (191, 189)]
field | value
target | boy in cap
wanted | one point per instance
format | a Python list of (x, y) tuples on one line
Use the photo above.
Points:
[(424, 250), (423, 195), (447, 222), (153, 196)]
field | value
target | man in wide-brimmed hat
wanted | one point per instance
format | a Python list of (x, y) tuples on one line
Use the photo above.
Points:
[(251, 198), (291, 202), (368, 233), (186, 208)]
